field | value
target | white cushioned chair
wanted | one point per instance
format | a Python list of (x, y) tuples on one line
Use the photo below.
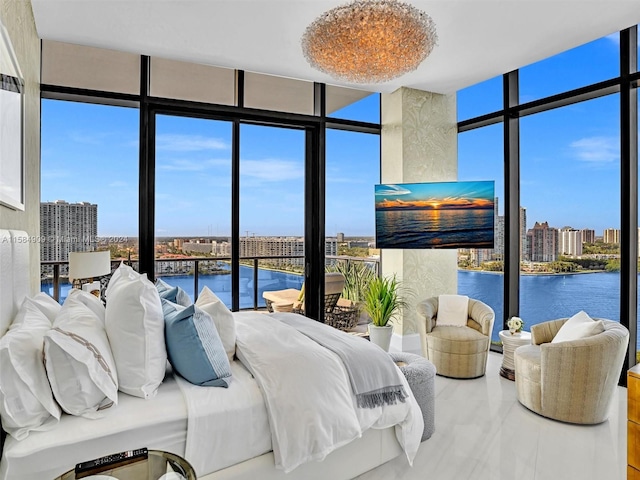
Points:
[(457, 352), (572, 381), (333, 285)]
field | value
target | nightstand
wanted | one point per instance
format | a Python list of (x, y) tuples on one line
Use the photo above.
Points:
[(633, 423)]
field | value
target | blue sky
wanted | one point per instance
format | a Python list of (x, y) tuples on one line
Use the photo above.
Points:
[(570, 163)]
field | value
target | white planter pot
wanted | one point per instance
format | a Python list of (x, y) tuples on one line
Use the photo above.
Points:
[(381, 336)]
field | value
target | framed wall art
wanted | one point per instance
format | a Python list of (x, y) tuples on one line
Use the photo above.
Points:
[(11, 126)]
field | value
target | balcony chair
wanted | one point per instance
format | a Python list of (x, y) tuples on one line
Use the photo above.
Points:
[(456, 351), (333, 284), (572, 381)]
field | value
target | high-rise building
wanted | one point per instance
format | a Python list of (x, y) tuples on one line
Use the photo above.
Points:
[(281, 247), (340, 237), (524, 238), (611, 235), (542, 243), (588, 235), (570, 242), (67, 227)]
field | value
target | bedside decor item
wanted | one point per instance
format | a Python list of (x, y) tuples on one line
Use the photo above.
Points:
[(85, 266), (515, 325), (382, 302), (369, 41)]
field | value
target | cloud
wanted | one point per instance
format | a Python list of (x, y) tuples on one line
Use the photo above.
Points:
[(189, 143), (184, 165), (392, 190), (272, 170), (596, 150), (50, 174), (118, 184), (92, 138)]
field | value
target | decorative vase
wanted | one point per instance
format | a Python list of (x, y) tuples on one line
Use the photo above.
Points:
[(381, 336)]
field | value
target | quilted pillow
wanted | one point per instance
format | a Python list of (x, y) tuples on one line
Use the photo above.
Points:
[(78, 359), (579, 326), (26, 400), (194, 347), (135, 327), (222, 318)]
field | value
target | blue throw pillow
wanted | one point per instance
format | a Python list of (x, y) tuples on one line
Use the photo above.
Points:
[(173, 294), (194, 347)]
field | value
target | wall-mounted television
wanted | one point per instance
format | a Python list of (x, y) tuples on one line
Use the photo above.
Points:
[(435, 215)]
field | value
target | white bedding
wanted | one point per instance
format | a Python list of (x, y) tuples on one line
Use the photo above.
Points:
[(226, 425), (312, 410)]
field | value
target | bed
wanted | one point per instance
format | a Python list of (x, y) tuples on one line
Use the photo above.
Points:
[(241, 446)]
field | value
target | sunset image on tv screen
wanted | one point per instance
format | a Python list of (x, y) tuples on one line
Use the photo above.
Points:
[(435, 215)]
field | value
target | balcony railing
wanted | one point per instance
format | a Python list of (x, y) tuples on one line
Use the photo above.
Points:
[(193, 265)]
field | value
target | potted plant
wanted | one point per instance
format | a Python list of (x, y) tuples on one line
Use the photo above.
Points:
[(382, 302)]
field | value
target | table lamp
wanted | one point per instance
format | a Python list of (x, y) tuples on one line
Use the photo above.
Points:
[(85, 266)]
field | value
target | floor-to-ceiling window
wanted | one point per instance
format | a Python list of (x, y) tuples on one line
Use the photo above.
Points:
[(272, 211), (568, 159), (570, 190), (480, 271), (89, 184), (219, 158), (193, 203)]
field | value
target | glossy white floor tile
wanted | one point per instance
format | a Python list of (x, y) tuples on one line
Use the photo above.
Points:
[(483, 433)]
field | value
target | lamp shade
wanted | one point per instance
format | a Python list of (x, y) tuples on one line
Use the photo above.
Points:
[(89, 264)]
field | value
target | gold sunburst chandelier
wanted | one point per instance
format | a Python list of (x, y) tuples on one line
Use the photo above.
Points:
[(369, 41)]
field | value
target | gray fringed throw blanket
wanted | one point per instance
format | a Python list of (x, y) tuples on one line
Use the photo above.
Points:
[(374, 376)]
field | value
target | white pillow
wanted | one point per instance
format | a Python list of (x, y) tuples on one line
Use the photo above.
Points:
[(46, 305), (135, 327), (222, 318), (453, 310), (78, 359), (26, 401), (579, 326)]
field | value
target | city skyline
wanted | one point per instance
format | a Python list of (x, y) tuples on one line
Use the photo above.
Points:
[(569, 160)]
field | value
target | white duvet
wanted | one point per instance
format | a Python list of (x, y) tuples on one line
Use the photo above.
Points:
[(311, 408)]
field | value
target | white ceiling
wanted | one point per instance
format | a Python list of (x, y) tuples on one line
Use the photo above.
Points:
[(478, 39)]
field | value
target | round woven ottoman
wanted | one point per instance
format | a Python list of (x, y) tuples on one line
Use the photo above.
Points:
[(420, 374)]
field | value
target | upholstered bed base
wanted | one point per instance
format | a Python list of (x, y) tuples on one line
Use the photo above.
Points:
[(373, 449)]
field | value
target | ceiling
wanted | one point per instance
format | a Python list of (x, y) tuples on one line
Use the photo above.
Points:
[(478, 39)]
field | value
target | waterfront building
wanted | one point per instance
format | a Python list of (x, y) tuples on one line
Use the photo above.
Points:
[(67, 227), (281, 247), (524, 238), (197, 247), (611, 235), (570, 242), (542, 241), (588, 235)]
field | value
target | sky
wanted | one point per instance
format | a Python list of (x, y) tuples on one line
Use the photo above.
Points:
[(570, 160)]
